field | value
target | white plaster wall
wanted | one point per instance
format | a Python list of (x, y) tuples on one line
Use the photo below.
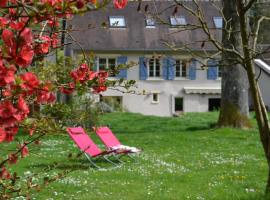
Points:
[(167, 88)]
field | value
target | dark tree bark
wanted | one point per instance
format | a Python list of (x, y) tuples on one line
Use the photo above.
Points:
[(234, 110)]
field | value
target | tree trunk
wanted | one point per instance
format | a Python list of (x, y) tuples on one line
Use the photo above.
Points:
[(234, 109), (259, 106)]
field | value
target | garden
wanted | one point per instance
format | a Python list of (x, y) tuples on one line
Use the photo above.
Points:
[(182, 158)]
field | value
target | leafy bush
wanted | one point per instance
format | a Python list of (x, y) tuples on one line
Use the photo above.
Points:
[(80, 111)]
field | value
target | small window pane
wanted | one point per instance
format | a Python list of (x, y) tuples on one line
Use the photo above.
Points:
[(218, 22), (178, 20), (184, 68), (155, 97), (178, 68), (102, 63), (150, 21), (157, 68), (117, 22)]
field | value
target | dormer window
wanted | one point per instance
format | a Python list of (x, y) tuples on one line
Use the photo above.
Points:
[(218, 21), (178, 20), (117, 21), (150, 22)]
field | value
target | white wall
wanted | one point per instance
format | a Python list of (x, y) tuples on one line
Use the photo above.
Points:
[(168, 89)]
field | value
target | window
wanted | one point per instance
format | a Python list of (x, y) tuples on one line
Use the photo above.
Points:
[(180, 68), (117, 22), (107, 64), (154, 67), (213, 104), (178, 104), (178, 20), (219, 71), (150, 22), (218, 22), (155, 98)]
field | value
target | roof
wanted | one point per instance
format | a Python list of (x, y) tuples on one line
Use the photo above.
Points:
[(136, 37)]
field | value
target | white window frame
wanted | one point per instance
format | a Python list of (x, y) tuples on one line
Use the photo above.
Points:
[(107, 63), (179, 21), (217, 22), (114, 24), (157, 97), (152, 20), (173, 104), (181, 69), (154, 68)]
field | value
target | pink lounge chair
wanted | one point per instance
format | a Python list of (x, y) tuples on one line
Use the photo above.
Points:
[(87, 146), (112, 143)]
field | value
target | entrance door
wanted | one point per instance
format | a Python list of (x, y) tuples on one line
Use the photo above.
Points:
[(213, 104), (178, 104)]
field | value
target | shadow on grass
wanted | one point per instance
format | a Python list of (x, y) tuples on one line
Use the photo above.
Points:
[(202, 128), (74, 164)]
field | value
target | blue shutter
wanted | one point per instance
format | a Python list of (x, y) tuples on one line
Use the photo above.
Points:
[(192, 70), (171, 68), (165, 68), (212, 70), (143, 68), (123, 72)]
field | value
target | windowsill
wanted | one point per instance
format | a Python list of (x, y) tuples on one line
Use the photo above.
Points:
[(118, 28), (154, 79), (219, 79), (181, 78), (150, 27), (154, 102), (112, 78)]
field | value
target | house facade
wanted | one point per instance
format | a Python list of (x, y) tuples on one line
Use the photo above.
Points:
[(173, 81)]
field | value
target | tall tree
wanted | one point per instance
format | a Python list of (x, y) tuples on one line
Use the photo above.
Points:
[(234, 96), (238, 49)]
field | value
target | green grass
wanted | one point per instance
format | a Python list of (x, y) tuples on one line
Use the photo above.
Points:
[(183, 158)]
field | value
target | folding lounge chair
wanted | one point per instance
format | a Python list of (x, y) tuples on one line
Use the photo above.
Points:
[(112, 143), (87, 146)]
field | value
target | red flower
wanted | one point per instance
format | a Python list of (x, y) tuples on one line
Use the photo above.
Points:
[(98, 89), (12, 158), (3, 22), (7, 75), (44, 95), (25, 56), (30, 82), (7, 110), (2, 135), (11, 132), (32, 130), (81, 74), (27, 36), (10, 42), (54, 40), (24, 151), (18, 26), (102, 74), (69, 89), (4, 173), (43, 45), (22, 110), (120, 4), (3, 3)]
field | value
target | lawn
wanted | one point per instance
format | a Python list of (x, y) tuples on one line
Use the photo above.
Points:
[(183, 158)]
